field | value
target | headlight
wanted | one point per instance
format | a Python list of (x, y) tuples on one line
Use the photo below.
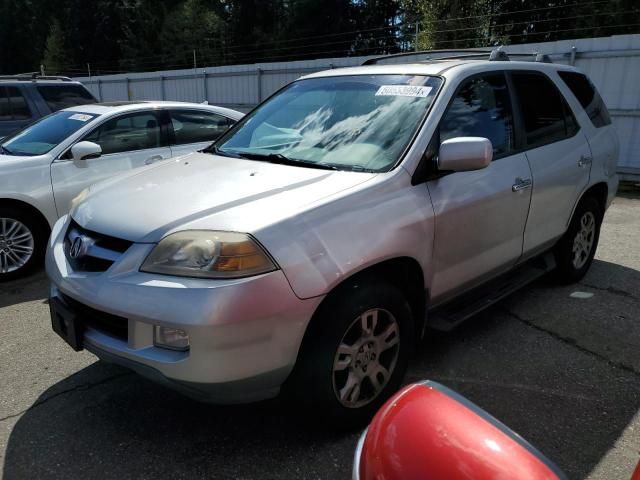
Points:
[(200, 253)]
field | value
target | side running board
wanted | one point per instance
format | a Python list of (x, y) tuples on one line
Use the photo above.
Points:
[(452, 314)]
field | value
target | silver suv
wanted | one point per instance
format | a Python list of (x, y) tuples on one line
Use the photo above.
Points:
[(309, 248)]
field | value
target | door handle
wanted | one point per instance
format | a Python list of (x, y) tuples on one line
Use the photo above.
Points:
[(584, 161), (150, 160), (521, 184)]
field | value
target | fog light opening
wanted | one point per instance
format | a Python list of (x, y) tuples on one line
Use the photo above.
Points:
[(171, 338)]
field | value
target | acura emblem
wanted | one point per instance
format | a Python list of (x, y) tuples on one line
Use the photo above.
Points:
[(77, 248)]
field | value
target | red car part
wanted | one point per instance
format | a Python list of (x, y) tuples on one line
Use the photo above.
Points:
[(427, 431)]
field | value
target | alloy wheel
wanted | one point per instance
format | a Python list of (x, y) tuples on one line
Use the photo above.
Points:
[(366, 358), (583, 241), (16, 245)]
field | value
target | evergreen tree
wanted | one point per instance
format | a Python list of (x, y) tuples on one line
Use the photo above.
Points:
[(140, 35), (55, 53), (192, 26)]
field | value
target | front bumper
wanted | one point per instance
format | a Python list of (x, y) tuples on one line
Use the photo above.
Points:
[(244, 334)]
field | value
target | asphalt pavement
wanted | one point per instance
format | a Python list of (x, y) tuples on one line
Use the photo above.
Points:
[(559, 364)]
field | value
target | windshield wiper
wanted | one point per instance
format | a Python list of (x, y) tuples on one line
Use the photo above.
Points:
[(213, 150), (281, 159), (5, 150)]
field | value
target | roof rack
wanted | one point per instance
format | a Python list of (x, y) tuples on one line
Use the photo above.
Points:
[(494, 55), (33, 76)]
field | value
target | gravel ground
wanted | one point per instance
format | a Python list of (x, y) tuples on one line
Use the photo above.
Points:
[(564, 372)]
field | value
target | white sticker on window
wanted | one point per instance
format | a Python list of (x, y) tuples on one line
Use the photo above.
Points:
[(80, 116), (403, 91)]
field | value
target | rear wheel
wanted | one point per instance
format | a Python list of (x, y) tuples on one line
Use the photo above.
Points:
[(22, 243), (354, 356), (575, 251)]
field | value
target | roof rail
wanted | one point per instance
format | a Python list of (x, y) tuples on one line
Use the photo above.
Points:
[(25, 77), (375, 60), (495, 55)]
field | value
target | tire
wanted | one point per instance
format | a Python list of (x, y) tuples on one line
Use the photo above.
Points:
[(23, 241), (316, 388), (575, 251)]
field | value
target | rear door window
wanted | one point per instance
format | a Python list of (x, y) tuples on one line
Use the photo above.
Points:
[(62, 96), (481, 108), (546, 116), (193, 126), (13, 105), (588, 97), (136, 131)]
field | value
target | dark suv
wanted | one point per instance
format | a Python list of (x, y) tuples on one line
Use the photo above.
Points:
[(25, 98)]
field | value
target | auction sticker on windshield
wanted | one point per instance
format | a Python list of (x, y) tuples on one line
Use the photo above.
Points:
[(80, 116), (403, 91)]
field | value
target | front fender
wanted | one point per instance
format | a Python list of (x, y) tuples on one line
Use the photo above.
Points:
[(320, 248)]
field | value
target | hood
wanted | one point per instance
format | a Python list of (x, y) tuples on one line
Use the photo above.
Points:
[(203, 191)]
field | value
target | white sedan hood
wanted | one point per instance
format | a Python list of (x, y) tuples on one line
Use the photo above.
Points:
[(208, 192)]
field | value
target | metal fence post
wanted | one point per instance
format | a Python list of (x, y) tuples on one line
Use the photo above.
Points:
[(127, 86), (259, 76), (572, 56), (204, 84), (162, 93), (100, 90)]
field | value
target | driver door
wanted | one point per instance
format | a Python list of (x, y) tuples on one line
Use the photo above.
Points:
[(480, 215), (128, 141)]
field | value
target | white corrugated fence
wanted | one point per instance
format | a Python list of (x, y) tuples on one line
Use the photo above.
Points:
[(613, 63)]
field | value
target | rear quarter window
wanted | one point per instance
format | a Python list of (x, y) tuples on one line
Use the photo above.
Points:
[(13, 105), (58, 97), (193, 126), (588, 97)]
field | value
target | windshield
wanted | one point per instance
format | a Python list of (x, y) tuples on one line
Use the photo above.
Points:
[(358, 122), (41, 136)]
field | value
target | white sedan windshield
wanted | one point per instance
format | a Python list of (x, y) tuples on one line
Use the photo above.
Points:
[(358, 122), (43, 135)]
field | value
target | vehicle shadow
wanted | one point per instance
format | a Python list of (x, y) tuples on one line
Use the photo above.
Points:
[(33, 287), (572, 403), (106, 422)]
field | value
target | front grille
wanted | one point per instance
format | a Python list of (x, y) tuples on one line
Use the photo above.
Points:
[(96, 253), (112, 325)]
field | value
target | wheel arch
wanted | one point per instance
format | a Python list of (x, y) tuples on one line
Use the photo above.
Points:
[(402, 272), (29, 208), (599, 191)]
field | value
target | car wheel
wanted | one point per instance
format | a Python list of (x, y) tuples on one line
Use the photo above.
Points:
[(575, 251), (22, 243), (354, 356)]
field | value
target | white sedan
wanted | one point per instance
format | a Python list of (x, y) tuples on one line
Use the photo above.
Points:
[(47, 164)]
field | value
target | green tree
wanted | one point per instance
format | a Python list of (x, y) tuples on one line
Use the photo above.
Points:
[(22, 35), (192, 25), (377, 21), (55, 53), (324, 28)]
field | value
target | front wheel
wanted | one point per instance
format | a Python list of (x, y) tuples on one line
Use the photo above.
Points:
[(22, 243), (576, 249), (355, 354)]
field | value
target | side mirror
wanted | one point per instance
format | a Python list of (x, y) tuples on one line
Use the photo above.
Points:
[(461, 154), (428, 431), (85, 151)]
